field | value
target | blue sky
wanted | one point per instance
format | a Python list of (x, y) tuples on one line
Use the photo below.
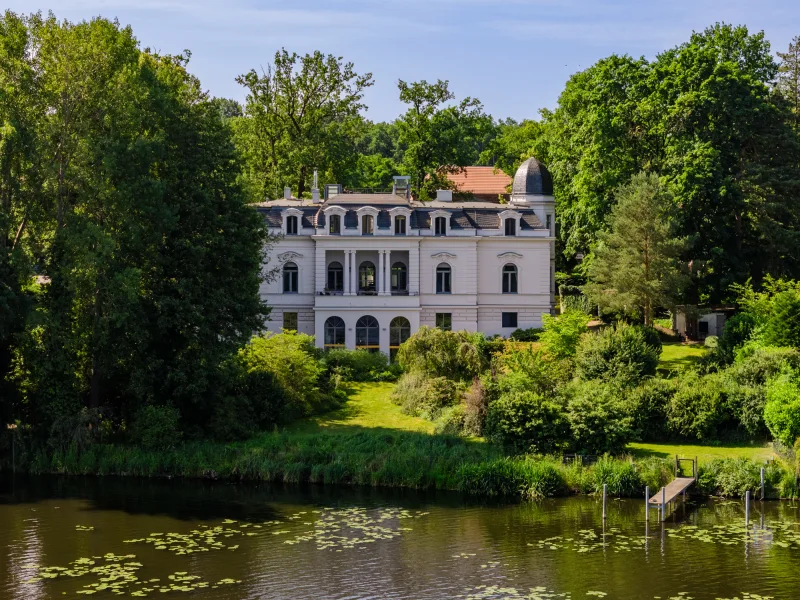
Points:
[(515, 55)]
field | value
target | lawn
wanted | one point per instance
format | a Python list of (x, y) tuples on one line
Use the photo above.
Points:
[(704, 454), (677, 357), (369, 406)]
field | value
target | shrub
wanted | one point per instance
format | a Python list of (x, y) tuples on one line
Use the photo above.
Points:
[(156, 427), (698, 410), (525, 422), (421, 395), (622, 352), (648, 405), (358, 365), (621, 477), (541, 479), (457, 355), (599, 420), (562, 334), (532, 369), (711, 341), (783, 326), (527, 335), (736, 476), (476, 403), (782, 410), (450, 421)]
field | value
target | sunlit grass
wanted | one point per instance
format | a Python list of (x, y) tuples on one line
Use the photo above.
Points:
[(677, 357), (704, 454)]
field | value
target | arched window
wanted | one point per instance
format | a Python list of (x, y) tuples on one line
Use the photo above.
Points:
[(335, 277), (368, 334), (367, 225), (335, 225), (334, 332), (511, 227), (399, 277), (440, 226), (510, 279), (399, 332), (400, 225), (366, 277), (290, 278), (443, 274), (291, 225)]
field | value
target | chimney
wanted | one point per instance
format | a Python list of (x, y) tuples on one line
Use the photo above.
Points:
[(444, 195), (287, 193), (315, 189), (402, 185)]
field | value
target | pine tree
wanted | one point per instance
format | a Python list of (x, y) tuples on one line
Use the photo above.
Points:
[(789, 78)]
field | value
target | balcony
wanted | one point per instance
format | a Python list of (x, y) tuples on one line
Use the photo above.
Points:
[(365, 300)]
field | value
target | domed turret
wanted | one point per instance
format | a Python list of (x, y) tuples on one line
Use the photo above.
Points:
[(531, 179)]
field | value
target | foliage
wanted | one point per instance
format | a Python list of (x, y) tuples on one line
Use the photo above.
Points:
[(635, 268), (782, 410), (648, 405), (620, 477), (783, 326), (156, 427), (526, 422), (358, 365), (698, 409), (788, 83), (622, 351), (302, 113), (531, 369), (736, 476), (457, 355), (562, 334), (599, 419), (420, 394), (513, 144), (526, 335), (476, 403), (438, 139)]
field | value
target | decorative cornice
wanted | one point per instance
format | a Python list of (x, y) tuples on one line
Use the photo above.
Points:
[(292, 211), (286, 256), (443, 256), (509, 255)]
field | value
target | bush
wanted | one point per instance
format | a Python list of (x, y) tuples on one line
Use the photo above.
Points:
[(156, 427), (525, 422), (783, 326), (736, 476), (621, 477), (476, 403), (698, 409), (456, 355), (623, 352), (600, 421), (358, 365), (421, 395), (562, 334), (782, 410), (541, 479), (527, 335), (450, 421), (711, 341), (648, 405), (532, 369)]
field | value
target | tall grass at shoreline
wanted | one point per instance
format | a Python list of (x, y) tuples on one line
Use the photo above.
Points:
[(391, 458)]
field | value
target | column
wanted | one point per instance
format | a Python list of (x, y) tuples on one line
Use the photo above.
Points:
[(346, 274), (381, 270), (388, 287), (413, 270), (353, 273)]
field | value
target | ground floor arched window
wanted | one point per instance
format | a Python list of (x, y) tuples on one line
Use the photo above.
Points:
[(334, 333), (399, 332), (368, 334)]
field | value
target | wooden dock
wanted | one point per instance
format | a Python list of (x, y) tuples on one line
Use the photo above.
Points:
[(673, 489)]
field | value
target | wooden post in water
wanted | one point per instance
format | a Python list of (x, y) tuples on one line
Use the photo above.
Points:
[(605, 489), (762, 484), (647, 503), (747, 508), (663, 503)]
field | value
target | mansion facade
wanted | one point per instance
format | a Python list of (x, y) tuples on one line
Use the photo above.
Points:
[(368, 270)]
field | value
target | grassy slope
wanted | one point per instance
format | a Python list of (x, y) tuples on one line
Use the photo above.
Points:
[(677, 357), (704, 454)]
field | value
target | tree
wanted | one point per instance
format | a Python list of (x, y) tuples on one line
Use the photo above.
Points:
[(438, 139), (513, 143), (562, 334), (789, 79), (635, 267), (301, 114)]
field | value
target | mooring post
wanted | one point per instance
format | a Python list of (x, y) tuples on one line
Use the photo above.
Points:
[(647, 503), (605, 490), (747, 508), (663, 503), (762, 483)]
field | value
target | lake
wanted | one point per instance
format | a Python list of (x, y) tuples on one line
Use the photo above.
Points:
[(103, 538)]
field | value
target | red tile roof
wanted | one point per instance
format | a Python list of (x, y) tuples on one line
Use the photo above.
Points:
[(480, 180)]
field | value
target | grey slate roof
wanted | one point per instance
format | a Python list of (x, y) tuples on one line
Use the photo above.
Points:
[(532, 177)]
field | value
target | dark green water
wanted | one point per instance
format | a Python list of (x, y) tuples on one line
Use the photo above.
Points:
[(224, 541)]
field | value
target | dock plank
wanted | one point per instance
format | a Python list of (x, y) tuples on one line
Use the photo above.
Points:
[(673, 489)]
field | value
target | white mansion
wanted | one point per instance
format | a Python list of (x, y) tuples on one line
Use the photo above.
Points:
[(367, 270)]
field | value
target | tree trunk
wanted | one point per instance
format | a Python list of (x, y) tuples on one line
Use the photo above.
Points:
[(301, 186)]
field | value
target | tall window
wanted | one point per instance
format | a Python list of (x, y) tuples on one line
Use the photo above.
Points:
[(510, 279), (335, 225), (367, 225), (368, 334), (509, 319), (440, 225), (334, 332), (399, 277), (366, 277), (399, 332), (290, 278), (443, 273), (335, 277), (291, 225), (290, 321), (400, 225), (547, 222), (444, 321), (511, 227)]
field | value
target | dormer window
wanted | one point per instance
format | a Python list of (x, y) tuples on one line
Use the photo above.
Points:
[(511, 227), (367, 225), (291, 225), (400, 225), (335, 225), (440, 225)]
